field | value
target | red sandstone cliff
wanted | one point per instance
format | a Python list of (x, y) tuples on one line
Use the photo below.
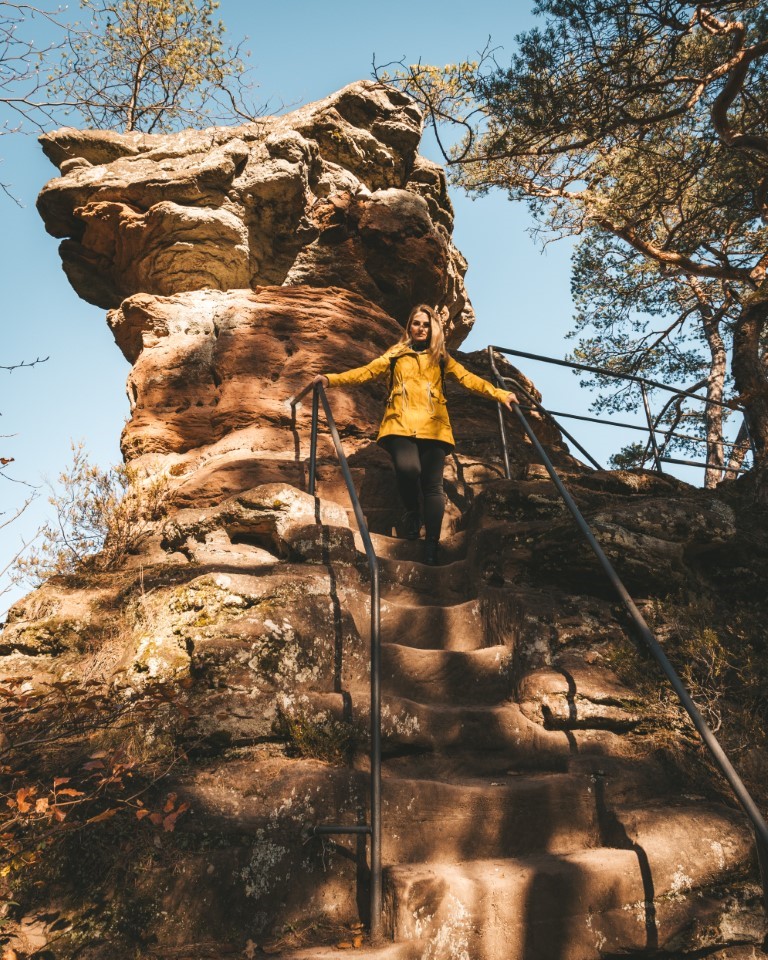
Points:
[(208, 697)]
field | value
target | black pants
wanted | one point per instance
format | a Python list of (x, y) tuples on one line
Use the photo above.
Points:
[(419, 467)]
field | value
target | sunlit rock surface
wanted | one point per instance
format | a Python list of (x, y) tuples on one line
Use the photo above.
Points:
[(332, 194), (174, 725)]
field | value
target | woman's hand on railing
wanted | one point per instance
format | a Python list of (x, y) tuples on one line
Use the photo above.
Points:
[(511, 400), (320, 378)]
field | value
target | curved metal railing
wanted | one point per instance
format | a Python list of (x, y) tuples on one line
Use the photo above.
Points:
[(653, 450), (372, 829), (709, 739)]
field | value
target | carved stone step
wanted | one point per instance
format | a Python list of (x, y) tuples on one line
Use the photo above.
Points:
[(512, 816), (456, 627), (409, 726), (414, 595), (395, 548), (651, 895), (447, 583), (441, 676)]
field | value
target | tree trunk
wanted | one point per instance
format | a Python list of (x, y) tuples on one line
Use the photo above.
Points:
[(739, 450), (714, 412), (718, 361), (751, 381)]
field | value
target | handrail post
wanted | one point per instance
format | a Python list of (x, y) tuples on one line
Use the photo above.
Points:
[(376, 883), (751, 441), (375, 708), (313, 438), (651, 431), (502, 425), (503, 434)]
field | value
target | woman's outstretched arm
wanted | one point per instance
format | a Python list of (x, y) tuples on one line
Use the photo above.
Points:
[(371, 371), (477, 385)]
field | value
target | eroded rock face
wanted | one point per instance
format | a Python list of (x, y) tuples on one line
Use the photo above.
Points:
[(333, 194), (209, 364), (214, 372)]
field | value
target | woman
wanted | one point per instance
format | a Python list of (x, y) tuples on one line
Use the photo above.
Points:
[(415, 431)]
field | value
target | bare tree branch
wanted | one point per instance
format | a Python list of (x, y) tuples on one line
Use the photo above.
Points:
[(23, 363)]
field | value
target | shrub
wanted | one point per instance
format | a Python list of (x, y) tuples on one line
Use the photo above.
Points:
[(85, 792), (719, 651), (101, 517)]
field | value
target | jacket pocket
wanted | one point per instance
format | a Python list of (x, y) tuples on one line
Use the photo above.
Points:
[(439, 408)]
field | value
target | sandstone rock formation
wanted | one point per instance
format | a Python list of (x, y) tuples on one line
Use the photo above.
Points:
[(214, 372), (195, 710), (333, 194)]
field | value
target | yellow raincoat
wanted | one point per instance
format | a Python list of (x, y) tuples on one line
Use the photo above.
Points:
[(416, 406)]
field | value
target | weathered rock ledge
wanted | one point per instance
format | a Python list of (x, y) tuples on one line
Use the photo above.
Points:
[(333, 194)]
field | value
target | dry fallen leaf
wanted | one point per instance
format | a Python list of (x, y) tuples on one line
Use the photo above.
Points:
[(22, 798), (250, 950), (104, 815), (344, 945), (358, 941), (94, 765)]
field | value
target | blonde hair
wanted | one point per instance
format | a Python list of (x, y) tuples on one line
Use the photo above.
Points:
[(436, 348)]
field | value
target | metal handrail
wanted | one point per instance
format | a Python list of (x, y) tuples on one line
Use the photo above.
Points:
[(520, 388), (554, 414), (374, 828), (652, 426), (710, 740), (606, 372)]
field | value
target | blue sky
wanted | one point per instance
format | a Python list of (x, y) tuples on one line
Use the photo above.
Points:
[(300, 51)]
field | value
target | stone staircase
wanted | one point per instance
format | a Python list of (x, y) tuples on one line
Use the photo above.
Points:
[(534, 805), (526, 806)]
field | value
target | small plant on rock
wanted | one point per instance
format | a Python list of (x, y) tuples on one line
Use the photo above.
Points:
[(719, 654), (318, 736)]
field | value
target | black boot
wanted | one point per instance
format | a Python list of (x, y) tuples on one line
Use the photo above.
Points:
[(411, 525), (431, 553)]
